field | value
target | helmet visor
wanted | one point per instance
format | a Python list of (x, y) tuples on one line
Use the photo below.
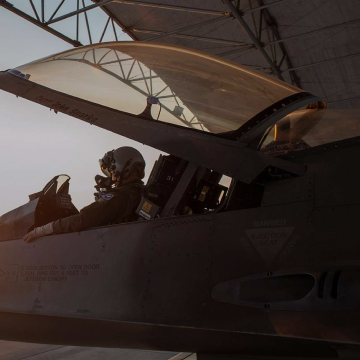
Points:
[(104, 168)]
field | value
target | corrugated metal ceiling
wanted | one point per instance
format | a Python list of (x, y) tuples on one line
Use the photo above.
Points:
[(314, 44)]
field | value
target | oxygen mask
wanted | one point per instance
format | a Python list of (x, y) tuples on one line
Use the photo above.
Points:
[(103, 183)]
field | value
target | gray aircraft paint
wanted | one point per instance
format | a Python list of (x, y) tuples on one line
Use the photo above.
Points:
[(171, 284)]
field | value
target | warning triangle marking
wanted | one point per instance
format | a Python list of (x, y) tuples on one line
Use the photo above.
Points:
[(268, 242)]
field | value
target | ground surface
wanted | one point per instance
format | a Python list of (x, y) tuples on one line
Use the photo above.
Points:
[(20, 351)]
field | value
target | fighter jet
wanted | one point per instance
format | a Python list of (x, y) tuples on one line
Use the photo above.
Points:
[(265, 267)]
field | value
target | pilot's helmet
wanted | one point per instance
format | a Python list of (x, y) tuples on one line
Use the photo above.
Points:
[(122, 162)]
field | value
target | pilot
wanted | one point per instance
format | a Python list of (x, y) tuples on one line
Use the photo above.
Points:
[(125, 166)]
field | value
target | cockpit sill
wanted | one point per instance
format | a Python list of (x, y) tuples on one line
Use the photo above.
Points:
[(321, 149)]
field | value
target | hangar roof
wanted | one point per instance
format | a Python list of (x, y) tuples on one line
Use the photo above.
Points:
[(313, 44)]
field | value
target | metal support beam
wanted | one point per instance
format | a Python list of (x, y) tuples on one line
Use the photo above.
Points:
[(57, 9), (211, 21), (146, 78), (173, 7), (114, 30), (105, 28), (345, 24), (87, 22), (73, 13), (124, 28), (34, 9), (5, 4), (261, 25), (323, 62), (77, 20), (263, 6), (194, 37), (116, 61), (43, 11), (341, 100), (272, 24), (236, 50), (254, 39)]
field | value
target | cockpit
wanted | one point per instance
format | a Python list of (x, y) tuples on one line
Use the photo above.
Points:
[(175, 188), (215, 119)]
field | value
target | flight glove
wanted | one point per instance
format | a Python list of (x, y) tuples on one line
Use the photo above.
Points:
[(39, 231)]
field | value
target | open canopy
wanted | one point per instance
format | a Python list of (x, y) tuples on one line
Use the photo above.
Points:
[(186, 87), (142, 90), (170, 98)]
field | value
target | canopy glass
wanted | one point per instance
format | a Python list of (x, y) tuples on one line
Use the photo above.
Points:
[(184, 87), (306, 128)]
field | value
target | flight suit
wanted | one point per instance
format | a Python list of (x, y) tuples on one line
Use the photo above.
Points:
[(115, 207)]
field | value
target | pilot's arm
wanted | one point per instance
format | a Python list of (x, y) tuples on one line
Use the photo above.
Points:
[(107, 210), (99, 213)]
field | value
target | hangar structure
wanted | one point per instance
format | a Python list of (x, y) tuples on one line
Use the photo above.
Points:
[(311, 44)]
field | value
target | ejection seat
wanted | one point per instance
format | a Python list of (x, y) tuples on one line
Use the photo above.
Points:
[(51, 203)]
